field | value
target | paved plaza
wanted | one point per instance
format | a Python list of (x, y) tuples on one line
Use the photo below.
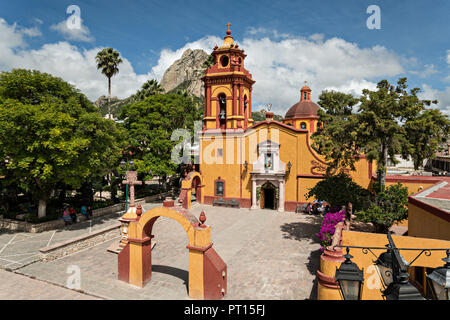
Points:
[(269, 255)]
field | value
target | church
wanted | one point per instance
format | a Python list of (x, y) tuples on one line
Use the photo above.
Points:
[(270, 164)]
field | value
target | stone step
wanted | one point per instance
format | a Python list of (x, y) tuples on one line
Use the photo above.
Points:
[(116, 248)]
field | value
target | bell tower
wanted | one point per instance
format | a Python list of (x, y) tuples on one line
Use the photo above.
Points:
[(228, 88)]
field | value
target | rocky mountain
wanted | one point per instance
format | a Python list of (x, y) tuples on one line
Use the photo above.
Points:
[(186, 73)]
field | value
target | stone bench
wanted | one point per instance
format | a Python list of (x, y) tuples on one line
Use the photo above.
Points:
[(226, 203)]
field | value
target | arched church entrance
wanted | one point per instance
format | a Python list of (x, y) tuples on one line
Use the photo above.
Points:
[(207, 271), (268, 191)]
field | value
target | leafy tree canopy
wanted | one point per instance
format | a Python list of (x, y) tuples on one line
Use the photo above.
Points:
[(150, 124), (389, 206), (390, 120), (51, 133)]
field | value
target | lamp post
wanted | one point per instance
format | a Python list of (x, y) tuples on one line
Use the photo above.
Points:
[(440, 280), (125, 165), (350, 278), (289, 166)]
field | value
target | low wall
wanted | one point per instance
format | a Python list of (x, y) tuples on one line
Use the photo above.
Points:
[(16, 225), (76, 244)]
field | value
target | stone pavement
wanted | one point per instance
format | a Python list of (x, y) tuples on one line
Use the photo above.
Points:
[(18, 249), (270, 255), (18, 287)]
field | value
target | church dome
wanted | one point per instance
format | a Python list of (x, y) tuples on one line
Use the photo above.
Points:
[(302, 109), (305, 108)]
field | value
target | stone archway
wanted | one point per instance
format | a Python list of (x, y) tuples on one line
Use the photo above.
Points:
[(207, 271), (193, 181)]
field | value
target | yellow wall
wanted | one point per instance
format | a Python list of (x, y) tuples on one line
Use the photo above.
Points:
[(372, 281), (422, 223), (294, 148)]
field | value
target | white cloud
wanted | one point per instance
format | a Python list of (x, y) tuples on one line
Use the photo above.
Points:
[(76, 34), (448, 57), (443, 97), (279, 65), (428, 70)]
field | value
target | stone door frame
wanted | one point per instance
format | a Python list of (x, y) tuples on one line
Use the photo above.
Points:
[(277, 179)]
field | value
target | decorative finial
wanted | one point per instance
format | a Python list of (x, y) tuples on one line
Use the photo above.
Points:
[(269, 106), (139, 210), (202, 219)]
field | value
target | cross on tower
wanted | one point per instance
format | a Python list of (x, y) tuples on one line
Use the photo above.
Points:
[(228, 24), (131, 181)]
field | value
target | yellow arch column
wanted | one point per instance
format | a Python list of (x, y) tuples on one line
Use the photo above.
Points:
[(205, 279), (327, 287)]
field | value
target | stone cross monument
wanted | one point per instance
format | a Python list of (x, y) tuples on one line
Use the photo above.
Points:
[(132, 181)]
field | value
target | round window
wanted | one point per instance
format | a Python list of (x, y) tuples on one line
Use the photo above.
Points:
[(224, 61)]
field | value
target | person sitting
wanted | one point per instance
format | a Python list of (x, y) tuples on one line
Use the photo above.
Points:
[(85, 212), (73, 214), (66, 216), (309, 208), (89, 211)]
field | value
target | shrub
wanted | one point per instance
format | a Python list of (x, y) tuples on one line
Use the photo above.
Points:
[(338, 190), (388, 207), (328, 226)]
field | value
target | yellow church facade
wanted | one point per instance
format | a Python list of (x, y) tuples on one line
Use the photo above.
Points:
[(269, 164)]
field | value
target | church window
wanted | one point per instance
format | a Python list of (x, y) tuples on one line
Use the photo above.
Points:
[(220, 152), (219, 188), (304, 96), (303, 125), (224, 61)]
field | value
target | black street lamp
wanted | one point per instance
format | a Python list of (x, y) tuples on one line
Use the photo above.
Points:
[(440, 280), (402, 289), (350, 278)]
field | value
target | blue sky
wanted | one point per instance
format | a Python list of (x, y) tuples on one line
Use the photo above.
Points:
[(413, 40)]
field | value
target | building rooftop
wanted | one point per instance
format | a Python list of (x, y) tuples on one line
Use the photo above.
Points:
[(438, 195)]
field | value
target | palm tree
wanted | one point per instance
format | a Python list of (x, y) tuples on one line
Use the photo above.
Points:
[(108, 60), (149, 88)]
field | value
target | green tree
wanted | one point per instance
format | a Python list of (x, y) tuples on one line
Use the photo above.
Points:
[(50, 133), (149, 88), (336, 140), (150, 124), (108, 61), (390, 120), (389, 206), (339, 190), (209, 62)]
